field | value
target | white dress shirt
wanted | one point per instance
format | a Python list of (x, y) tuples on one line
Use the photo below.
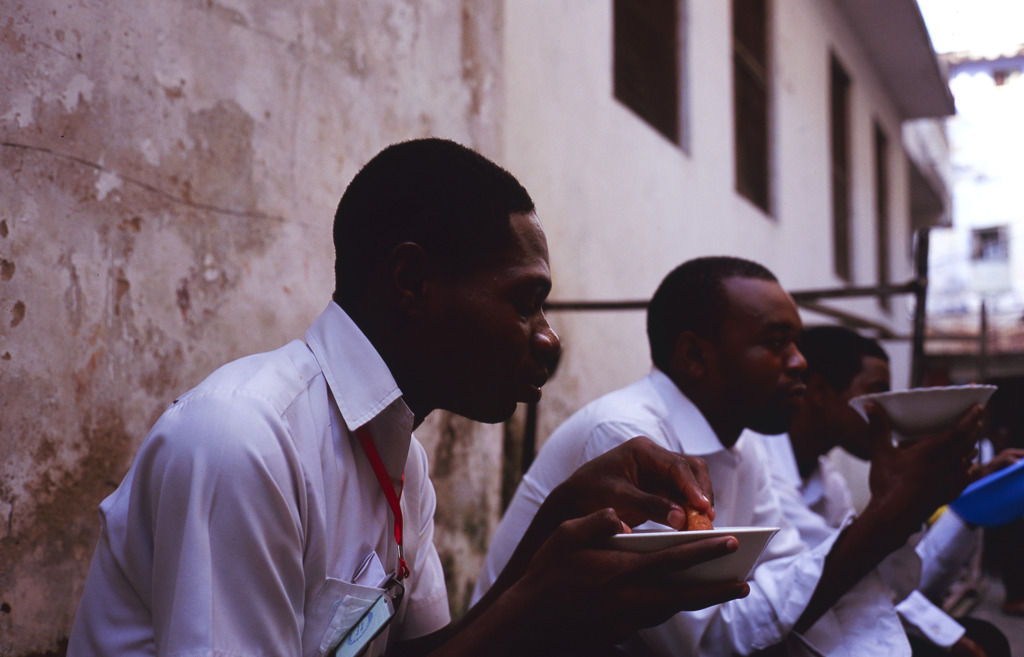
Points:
[(654, 407), (945, 550), (250, 509), (826, 493)]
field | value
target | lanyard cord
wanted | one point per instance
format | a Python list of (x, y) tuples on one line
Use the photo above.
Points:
[(389, 492)]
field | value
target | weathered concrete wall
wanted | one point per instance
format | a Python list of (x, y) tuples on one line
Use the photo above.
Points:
[(168, 173)]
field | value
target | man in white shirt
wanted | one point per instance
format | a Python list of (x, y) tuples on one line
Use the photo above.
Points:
[(723, 336), (283, 506), (841, 365)]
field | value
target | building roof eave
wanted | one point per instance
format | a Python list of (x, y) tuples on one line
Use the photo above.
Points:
[(895, 39), (930, 205)]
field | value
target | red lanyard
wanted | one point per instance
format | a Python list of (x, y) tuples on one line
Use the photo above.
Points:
[(389, 492)]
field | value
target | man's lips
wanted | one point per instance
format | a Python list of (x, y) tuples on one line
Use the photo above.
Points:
[(796, 392), (531, 394), (532, 388)]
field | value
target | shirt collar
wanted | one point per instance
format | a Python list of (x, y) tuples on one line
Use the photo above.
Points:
[(359, 379), (684, 418), (814, 488), (780, 449)]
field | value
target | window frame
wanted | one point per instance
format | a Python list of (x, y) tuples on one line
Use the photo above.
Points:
[(883, 219), (648, 56), (840, 168), (751, 47)]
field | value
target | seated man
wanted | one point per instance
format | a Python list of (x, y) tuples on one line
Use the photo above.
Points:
[(841, 365), (1005, 544), (283, 506), (723, 334)]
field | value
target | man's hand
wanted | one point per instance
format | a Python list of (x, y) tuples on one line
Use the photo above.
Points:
[(566, 591), (966, 648), (1003, 459), (909, 481), (640, 480), (590, 594)]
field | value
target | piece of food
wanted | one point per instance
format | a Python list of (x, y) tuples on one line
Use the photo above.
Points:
[(696, 519)]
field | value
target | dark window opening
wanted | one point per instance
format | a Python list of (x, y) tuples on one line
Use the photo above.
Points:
[(646, 61), (1001, 76), (750, 89), (839, 101), (990, 244), (882, 211)]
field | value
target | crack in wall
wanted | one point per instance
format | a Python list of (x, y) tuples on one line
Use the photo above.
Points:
[(150, 188)]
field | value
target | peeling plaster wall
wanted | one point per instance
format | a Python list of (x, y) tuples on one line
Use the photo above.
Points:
[(168, 175)]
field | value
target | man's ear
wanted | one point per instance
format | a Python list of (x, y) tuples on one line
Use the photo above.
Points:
[(407, 271), (690, 356)]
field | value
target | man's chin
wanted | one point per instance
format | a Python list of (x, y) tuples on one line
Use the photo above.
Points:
[(493, 414)]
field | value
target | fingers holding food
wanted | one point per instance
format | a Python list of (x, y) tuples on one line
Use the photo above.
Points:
[(696, 520)]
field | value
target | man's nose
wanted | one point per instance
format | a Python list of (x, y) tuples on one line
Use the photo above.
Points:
[(796, 361), (546, 343)]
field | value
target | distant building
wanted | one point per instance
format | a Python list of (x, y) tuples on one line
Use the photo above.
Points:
[(980, 259)]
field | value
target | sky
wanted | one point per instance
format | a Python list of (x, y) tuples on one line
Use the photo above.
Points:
[(979, 25)]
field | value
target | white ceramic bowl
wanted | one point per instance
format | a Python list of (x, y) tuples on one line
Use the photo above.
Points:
[(924, 410), (729, 568)]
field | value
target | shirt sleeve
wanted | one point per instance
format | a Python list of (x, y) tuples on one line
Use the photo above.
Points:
[(945, 550), (930, 621), (215, 516)]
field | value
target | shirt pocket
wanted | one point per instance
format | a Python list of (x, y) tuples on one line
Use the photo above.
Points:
[(338, 606)]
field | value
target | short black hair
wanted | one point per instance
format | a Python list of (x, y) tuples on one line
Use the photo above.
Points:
[(692, 298), (447, 198), (837, 354)]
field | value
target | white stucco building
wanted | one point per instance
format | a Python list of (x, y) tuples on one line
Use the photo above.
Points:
[(980, 257), (781, 139)]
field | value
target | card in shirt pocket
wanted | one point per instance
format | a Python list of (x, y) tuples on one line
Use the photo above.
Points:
[(337, 611)]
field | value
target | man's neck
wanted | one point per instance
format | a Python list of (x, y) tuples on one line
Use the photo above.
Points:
[(721, 421), (805, 439), (727, 434), (387, 345), (725, 425)]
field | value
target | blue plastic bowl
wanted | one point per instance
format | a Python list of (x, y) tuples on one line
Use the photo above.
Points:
[(993, 500)]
